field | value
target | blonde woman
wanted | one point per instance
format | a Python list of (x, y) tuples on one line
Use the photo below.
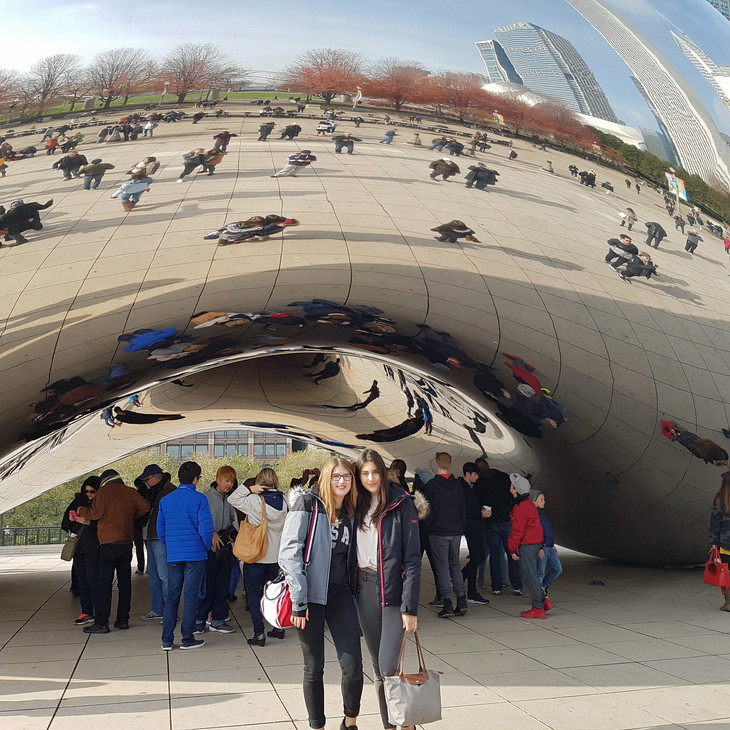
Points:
[(255, 575), (322, 592)]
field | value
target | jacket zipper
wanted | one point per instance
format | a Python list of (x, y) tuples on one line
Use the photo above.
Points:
[(380, 552)]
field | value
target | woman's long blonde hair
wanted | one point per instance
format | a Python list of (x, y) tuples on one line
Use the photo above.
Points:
[(325, 488)]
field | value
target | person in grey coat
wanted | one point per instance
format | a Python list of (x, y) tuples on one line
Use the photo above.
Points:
[(654, 232), (693, 238), (445, 167)]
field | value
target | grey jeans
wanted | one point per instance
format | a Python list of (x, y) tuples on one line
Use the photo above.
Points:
[(446, 561), (383, 632), (528, 569)]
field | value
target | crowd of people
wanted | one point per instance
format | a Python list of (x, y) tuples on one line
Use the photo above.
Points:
[(348, 539)]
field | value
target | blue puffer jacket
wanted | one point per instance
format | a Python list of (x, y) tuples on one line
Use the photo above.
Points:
[(185, 525)]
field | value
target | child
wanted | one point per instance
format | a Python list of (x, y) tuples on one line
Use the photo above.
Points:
[(551, 558)]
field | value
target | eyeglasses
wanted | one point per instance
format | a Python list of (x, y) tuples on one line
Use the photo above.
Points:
[(90, 491), (341, 478)]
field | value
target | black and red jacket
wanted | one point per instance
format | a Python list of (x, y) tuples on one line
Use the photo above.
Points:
[(399, 553)]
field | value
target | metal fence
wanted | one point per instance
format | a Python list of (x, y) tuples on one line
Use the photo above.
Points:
[(11, 536)]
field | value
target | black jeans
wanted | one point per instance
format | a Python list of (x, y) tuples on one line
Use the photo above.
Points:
[(475, 545), (383, 632), (340, 614), (87, 567), (218, 575), (255, 577), (114, 557), (139, 546)]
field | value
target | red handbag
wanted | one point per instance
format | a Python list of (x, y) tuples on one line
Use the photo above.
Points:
[(717, 573)]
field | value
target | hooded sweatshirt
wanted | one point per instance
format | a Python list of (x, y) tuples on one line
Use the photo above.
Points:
[(445, 495), (276, 508)]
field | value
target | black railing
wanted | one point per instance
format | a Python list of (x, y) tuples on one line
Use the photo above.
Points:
[(32, 536)]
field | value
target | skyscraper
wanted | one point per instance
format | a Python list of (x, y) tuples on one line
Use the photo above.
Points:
[(683, 117), (499, 67), (718, 78), (549, 64), (658, 145), (721, 6)]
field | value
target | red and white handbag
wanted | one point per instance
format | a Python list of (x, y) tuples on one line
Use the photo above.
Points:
[(276, 605)]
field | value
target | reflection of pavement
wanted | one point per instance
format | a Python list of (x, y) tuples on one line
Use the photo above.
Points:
[(617, 652)]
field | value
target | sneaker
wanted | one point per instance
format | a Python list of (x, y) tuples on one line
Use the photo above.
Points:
[(534, 613), (194, 644), (477, 598), (121, 625), (496, 593), (151, 616), (167, 647), (436, 602), (199, 629), (547, 604), (224, 628), (96, 629), (179, 181), (516, 592), (461, 607), (232, 598), (481, 584), (276, 633), (84, 619)]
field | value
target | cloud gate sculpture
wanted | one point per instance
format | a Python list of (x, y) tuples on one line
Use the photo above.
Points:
[(358, 328)]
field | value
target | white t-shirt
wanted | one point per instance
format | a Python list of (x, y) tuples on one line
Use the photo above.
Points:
[(367, 541)]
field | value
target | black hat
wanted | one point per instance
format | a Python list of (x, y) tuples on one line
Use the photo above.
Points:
[(109, 475), (150, 470)]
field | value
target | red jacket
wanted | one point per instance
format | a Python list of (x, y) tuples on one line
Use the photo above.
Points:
[(526, 528)]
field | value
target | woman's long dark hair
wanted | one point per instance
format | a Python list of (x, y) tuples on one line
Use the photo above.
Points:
[(722, 498), (364, 498)]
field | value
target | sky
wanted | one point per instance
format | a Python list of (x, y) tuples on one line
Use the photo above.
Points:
[(266, 37)]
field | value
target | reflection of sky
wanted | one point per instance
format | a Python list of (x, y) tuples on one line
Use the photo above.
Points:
[(265, 36)]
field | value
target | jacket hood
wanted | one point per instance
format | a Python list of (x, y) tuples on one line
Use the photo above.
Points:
[(422, 506), (446, 483)]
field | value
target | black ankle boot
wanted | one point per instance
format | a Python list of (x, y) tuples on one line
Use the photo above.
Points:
[(258, 640), (347, 727), (276, 633)]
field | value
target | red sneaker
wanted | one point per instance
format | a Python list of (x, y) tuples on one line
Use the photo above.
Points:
[(84, 619), (534, 613), (547, 604)]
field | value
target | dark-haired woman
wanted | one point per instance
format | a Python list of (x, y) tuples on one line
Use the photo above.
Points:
[(323, 592), (389, 566), (86, 558), (720, 526)]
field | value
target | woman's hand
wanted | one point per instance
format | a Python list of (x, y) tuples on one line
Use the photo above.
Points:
[(515, 556), (410, 623), (300, 622), (217, 542)]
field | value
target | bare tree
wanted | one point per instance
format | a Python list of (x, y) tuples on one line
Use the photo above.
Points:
[(192, 66), (74, 87), (324, 72), (48, 75), (10, 91), (109, 71)]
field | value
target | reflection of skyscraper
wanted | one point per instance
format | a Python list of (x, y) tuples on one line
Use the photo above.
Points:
[(684, 118), (722, 6), (658, 145), (718, 78), (549, 64), (499, 67)]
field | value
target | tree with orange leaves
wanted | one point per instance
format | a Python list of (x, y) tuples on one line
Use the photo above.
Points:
[(459, 91), (396, 81), (324, 72)]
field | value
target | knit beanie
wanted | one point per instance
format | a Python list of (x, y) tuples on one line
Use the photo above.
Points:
[(521, 484)]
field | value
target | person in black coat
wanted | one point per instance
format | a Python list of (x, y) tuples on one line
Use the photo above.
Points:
[(445, 167), (21, 217), (477, 176), (453, 231), (640, 265), (474, 531), (70, 164), (621, 249), (86, 558), (654, 232)]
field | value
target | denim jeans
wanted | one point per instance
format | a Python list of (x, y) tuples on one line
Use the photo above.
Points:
[(483, 565), (340, 615), (218, 575), (255, 577), (476, 554), (552, 561), (88, 179), (383, 632), (114, 558), (528, 568), (157, 573), (189, 573), (236, 569), (348, 145), (497, 536)]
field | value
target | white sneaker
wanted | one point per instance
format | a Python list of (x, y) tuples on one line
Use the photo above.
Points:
[(179, 181)]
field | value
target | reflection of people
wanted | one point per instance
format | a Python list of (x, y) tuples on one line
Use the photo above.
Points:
[(323, 592), (704, 449), (330, 370), (374, 392), (452, 231), (123, 416), (389, 567), (622, 249), (409, 427), (21, 217), (720, 526)]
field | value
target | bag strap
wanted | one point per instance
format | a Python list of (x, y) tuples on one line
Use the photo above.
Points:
[(264, 519), (421, 661), (310, 537), (715, 555)]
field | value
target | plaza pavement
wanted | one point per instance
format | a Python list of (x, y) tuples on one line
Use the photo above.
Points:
[(647, 650)]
